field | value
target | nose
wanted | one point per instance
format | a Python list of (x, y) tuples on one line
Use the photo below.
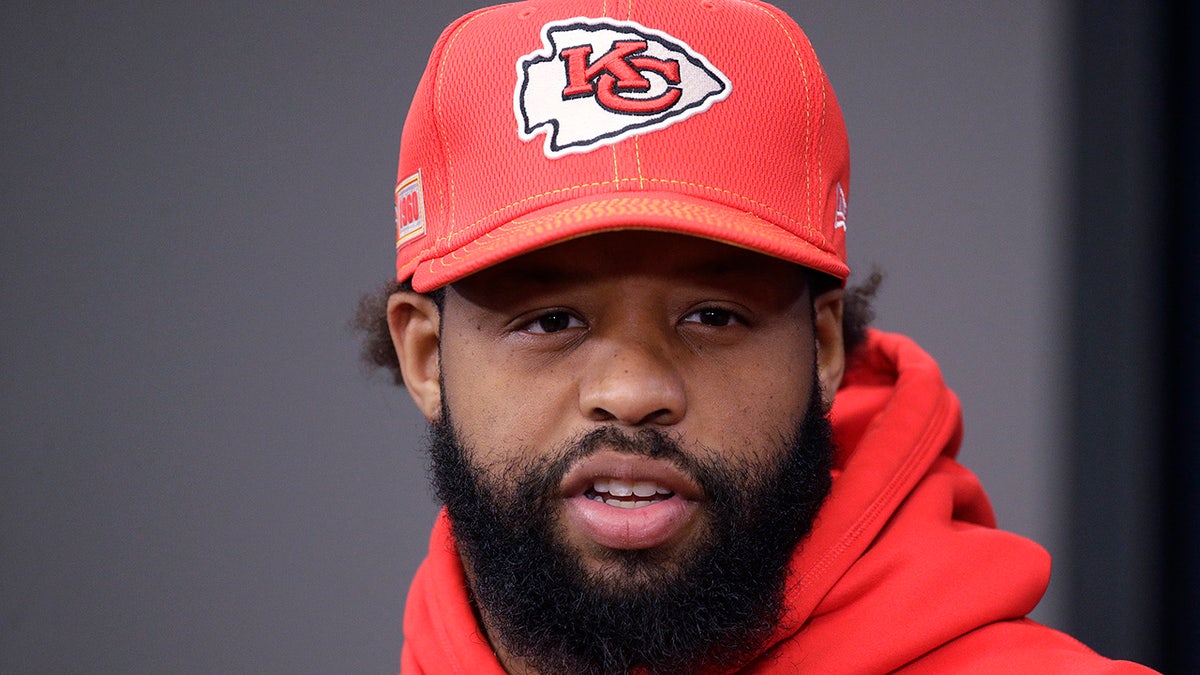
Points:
[(632, 381)]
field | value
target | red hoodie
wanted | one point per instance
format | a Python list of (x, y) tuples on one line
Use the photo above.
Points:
[(904, 569)]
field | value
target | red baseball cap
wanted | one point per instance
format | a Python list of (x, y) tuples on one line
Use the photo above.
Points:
[(538, 122)]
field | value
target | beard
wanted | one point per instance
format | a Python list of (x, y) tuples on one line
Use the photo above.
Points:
[(716, 604)]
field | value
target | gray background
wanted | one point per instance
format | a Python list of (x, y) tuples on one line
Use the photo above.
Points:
[(197, 476)]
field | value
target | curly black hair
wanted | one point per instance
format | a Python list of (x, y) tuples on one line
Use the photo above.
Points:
[(370, 318)]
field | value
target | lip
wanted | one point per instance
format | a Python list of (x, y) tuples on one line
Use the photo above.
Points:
[(629, 528), (632, 468)]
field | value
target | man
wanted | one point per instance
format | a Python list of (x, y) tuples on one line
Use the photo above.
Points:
[(664, 441)]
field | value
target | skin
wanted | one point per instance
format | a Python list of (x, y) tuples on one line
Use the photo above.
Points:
[(711, 343)]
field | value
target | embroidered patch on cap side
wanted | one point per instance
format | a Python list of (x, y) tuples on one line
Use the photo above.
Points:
[(410, 209), (596, 82)]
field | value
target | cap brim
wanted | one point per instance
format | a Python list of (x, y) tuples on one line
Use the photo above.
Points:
[(659, 211)]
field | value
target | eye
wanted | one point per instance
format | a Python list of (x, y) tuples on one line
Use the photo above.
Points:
[(552, 322), (714, 316)]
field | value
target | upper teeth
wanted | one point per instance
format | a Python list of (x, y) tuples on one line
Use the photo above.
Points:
[(619, 488)]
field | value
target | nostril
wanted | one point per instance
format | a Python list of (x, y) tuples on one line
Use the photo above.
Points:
[(602, 415), (662, 415)]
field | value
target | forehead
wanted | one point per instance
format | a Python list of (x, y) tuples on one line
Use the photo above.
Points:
[(599, 258)]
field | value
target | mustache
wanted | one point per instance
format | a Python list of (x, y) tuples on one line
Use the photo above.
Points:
[(645, 442)]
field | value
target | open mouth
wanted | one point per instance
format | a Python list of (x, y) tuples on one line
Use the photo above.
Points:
[(623, 501), (626, 494)]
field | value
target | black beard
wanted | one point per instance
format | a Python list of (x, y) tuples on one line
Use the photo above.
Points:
[(714, 606)]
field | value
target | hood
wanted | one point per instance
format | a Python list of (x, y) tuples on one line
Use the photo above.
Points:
[(904, 556)]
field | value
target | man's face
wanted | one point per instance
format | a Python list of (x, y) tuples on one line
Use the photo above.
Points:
[(711, 344), (636, 412)]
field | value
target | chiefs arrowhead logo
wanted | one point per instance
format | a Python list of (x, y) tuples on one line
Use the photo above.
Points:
[(596, 82)]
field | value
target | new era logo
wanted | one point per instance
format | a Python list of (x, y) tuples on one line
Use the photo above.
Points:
[(839, 215), (596, 82)]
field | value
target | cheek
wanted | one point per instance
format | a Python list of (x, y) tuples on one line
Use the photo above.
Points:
[(760, 398), (501, 411)]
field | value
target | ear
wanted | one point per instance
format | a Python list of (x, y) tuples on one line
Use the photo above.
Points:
[(831, 351), (413, 320)]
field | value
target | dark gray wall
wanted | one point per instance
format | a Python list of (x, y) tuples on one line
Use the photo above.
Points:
[(196, 475), (1129, 362)]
